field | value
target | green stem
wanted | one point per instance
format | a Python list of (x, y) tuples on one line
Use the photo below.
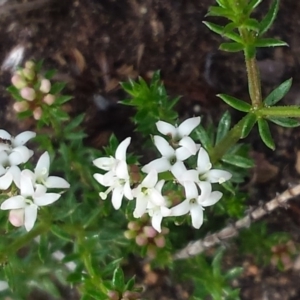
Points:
[(280, 111), (231, 138)]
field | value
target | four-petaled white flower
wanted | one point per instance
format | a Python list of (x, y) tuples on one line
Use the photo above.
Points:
[(180, 134), (147, 193), (27, 203), (195, 203)]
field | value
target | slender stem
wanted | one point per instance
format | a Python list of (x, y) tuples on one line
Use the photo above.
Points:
[(227, 142)]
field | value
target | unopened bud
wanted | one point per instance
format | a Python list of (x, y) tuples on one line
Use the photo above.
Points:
[(160, 241), (21, 106), (149, 231), (129, 234), (18, 81), (45, 86), (165, 230), (16, 217), (29, 64), (151, 251), (49, 99), (37, 113), (133, 226), (29, 74), (141, 240), (113, 295), (28, 93), (131, 295)]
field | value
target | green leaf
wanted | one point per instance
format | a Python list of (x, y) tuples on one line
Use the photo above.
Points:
[(269, 42), (49, 74), (265, 134), (253, 4), (130, 284), (63, 99), (74, 123), (223, 126), (284, 121), (235, 103), (231, 47), (268, 20), (216, 11), (250, 120), (118, 279), (278, 93), (251, 24), (43, 247), (56, 230), (221, 31), (57, 87), (222, 3), (238, 161), (203, 137)]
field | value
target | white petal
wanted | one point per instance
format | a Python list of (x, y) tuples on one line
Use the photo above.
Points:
[(127, 191), (20, 155), (26, 185), (122, 148), (181, 209), (156, 221), (117, 196), (104, 163), (203, 162), (159, 165), (42, 167), (205, 188), (197, 216), (212, 199), (189, 144), (189, 175), (56, 182), (23, 138), (100, 179), (5, 181), (188, 126), (182, 153), (122, 170), (150, 180), (15, 202), (163, 147), (166, 128), (3, 285), (30, 216), (16, 175), (160, 185), (157, 198), (178, 169), (165, 211), (3, 158), (46, 199), (140, 206), (40, 190), (219, 176), (191, 191), (5, 135)]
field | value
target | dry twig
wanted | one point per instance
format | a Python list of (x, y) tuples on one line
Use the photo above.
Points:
[(232, 230)]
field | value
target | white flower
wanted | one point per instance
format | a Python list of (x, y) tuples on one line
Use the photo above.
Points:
[(195, 204), (29, 200), (148, 191), (41, 174), (170, 157), (12, 174), (3, 285), (111, 163), (13, 150), (181, 133), (157, 212), (118, 182)]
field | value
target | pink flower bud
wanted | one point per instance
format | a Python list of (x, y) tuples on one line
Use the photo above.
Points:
[(160, 241), (113, 295), (29, 64), (29, 74), (149, 231), (45, 86), (18, 81), (37, 113), (49, 99), (16, 217), (133, 226), (28, 93), (21, 106), (141, 240)]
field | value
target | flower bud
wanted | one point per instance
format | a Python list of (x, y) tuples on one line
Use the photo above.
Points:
[(129, 234), (28, 74), (21, 106), (49, 99), (149, 231), (45, 86), (16, 217), (141, 240), (131, 295), (113, 295), (133, 226), (18, 81), (151, 251), (37, 113), (28, 93), (29, 64), (160, 241)]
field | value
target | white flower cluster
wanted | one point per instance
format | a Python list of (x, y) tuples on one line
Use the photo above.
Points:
[(32, 186), (148, 194)]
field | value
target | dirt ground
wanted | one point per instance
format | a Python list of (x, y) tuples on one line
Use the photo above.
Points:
[(94, 44)]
